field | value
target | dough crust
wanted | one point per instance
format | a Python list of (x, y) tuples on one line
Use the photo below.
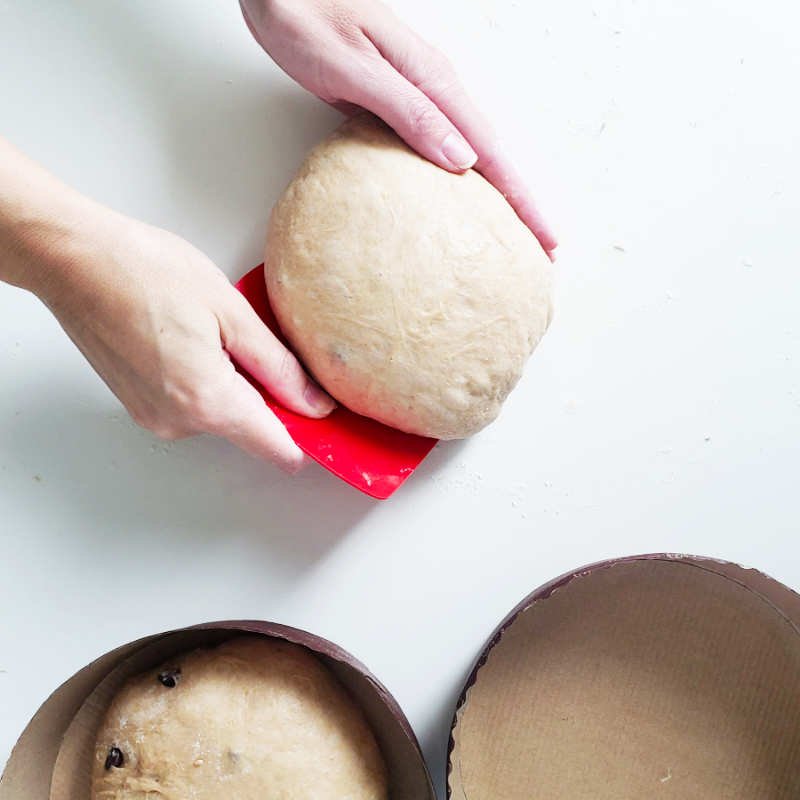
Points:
[(413, 295), (253, 719)]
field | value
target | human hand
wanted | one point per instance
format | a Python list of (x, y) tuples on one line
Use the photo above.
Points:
[(160, 324), (357, 54)]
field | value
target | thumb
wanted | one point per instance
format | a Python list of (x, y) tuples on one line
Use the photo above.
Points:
[(260, 352)]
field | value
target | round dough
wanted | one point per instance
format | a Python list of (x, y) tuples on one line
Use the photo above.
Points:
[(253, 719), (412, 294)]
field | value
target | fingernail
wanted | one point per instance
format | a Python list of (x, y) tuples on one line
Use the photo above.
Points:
[(456, 150), (318, 399)]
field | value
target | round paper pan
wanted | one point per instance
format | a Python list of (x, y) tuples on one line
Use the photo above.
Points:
[(652, 676), (52, 757)]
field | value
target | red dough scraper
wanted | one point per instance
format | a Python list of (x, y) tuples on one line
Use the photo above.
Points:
[(372, 457)]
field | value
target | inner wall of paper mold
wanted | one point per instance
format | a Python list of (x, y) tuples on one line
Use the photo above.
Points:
[(651, 678)]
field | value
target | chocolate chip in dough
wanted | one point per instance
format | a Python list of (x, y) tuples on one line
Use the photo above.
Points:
[(169, 677), (114, 758)]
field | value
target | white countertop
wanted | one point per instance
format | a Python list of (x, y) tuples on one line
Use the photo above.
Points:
[(660, 413)]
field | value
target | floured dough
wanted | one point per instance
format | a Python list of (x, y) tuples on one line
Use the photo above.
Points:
[(413, 295), (253, 719)]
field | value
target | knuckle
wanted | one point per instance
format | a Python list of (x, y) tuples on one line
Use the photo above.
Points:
[(354, 80), (205, 416), (201, 410), (441, 66), (422, 116), (162, 428), (288, 368), (167, 423), (179, 396), (442, 84), (341, 20), (194, 403), (142, 418), (168, 432)]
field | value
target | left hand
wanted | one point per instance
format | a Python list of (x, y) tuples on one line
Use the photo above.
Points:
[(357, 54)]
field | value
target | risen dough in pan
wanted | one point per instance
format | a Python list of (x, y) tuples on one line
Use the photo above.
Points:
[(253, 719)]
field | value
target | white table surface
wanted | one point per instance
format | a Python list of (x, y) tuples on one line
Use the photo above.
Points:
[(660, 413)]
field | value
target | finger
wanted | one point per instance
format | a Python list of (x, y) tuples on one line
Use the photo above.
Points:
[(246, 421), (432, 74), (382, 90), (497, 168), (260, 352)]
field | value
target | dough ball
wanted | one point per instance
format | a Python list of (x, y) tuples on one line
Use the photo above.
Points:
[(413, 295), (253, 719)]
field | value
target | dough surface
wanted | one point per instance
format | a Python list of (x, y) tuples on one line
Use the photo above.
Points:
[(413, 295), (253, 719)]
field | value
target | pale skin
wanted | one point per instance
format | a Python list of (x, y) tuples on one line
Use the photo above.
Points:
[(157, 320)]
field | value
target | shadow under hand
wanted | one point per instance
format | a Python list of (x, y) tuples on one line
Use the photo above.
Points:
[(114, 478)]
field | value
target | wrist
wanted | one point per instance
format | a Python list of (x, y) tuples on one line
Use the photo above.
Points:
[(52, 247), (46, 228)]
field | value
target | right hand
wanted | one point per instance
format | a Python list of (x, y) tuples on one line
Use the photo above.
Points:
[(357, 54), (160, 324)]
